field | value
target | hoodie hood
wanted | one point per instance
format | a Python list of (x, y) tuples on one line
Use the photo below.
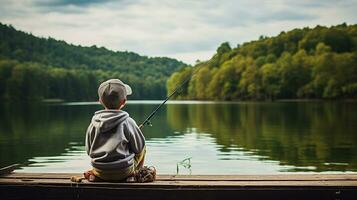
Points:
[(105, 120)]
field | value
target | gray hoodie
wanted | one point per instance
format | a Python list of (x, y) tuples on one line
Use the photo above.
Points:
[(113, 139)]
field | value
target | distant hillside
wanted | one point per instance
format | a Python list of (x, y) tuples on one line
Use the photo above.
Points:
[(303, 63), (37, 68)]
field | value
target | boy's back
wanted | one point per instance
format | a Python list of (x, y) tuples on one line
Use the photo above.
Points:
[(113, 139)]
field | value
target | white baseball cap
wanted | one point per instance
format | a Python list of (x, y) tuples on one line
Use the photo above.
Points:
[(113, 90)]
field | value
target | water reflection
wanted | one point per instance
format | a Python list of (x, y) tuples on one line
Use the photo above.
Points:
[(322, 135), (37, 130), (238, 138)]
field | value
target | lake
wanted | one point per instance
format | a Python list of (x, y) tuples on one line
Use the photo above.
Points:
[(219, 138)]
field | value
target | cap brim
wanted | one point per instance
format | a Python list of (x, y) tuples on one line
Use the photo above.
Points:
[(128, 89)]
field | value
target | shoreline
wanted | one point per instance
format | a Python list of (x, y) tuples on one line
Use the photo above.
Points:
[(77, 103), (180, 101)]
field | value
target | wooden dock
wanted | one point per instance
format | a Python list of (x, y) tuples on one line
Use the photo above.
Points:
[(294, 186)]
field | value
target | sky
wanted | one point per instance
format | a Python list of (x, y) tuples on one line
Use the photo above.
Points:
[(187, 30)]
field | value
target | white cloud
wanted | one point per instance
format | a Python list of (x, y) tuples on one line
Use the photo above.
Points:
[(184, 29)]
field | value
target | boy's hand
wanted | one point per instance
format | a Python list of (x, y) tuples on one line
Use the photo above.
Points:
[(141, 126)]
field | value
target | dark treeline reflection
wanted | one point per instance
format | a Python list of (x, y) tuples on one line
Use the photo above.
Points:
[(318, 134), (28, 130)]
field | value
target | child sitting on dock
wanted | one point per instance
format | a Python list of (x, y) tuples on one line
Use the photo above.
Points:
[(114, 141)]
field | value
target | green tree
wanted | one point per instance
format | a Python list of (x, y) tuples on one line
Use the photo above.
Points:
[(74, 72), (203, 78), (176, 80), (302, 63), (271, 84)]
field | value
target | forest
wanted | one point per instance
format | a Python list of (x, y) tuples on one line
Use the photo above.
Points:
[(33, 68), (308, 63)]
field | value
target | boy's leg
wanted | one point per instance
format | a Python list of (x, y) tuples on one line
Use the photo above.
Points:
[(139, 159), (112, 175), (143, 174)]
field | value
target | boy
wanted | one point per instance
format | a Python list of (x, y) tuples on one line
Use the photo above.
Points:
[(114, 142)]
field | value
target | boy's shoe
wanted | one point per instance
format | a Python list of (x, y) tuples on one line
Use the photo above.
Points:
[(145, 174), (131, 179), (90, 176)]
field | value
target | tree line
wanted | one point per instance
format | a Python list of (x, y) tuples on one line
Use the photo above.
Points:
[(33, 68), (303, 63)]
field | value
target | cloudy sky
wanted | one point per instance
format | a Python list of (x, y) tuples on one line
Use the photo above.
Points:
[(184, 29)]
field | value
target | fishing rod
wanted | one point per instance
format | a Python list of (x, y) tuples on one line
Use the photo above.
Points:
[(147, 120)]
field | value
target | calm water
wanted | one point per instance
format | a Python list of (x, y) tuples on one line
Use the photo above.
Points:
[(221, 138)]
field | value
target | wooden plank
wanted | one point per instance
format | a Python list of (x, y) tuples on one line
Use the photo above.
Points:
[(177, 183), (41, 192), (294, 186), (295, 177), (8, 169), (291, 177), (42, 175)]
